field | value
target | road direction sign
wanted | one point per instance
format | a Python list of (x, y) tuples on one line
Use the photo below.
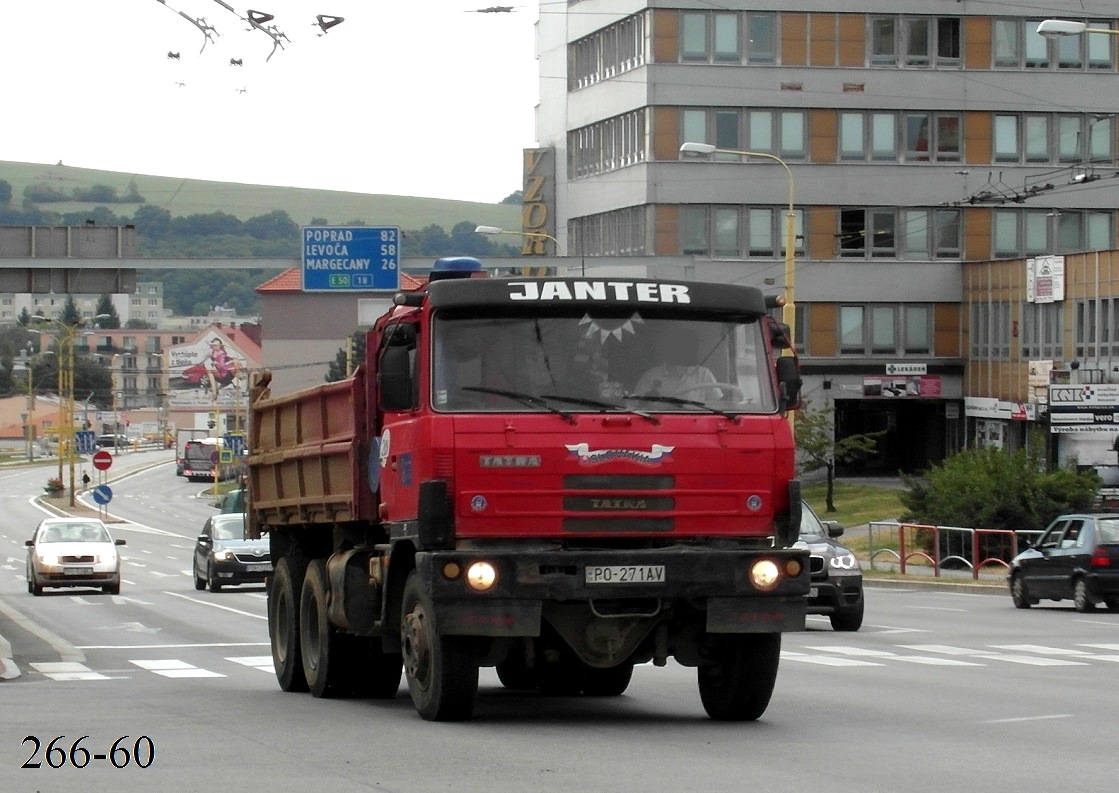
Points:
[(351, 258), (85, 440), (102, 494), (102, 460)]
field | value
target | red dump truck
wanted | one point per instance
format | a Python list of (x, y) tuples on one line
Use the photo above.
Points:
[(557, 477)]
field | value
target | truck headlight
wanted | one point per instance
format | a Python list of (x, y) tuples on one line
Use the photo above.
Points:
[(764, 574), (481, 576)]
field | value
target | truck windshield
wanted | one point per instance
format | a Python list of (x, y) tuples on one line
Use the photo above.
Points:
[(583, 362)]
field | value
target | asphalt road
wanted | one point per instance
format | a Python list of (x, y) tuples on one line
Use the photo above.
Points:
[(939, 690)]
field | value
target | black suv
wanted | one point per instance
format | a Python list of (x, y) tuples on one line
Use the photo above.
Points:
[(836, 588)]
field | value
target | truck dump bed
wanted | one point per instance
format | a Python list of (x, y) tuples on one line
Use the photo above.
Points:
[(307, 455)]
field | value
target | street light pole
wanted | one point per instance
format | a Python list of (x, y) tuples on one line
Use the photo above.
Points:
[(788, 311), (66, 341)]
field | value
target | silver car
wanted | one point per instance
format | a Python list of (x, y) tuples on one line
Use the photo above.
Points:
[(73, 552)]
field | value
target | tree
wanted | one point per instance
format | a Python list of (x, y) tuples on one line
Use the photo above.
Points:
[(337, 370), (997, 489), (24, 318), (70, 314), (105, 307), (5, 192), (516, 197), (817, 447)]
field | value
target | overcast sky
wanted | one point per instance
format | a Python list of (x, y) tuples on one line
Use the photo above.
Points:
[(403, 97)]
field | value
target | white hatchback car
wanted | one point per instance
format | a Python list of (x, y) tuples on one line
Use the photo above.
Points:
[(73, 552)]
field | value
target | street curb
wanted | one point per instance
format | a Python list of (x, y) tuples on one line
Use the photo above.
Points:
[(972, 588)]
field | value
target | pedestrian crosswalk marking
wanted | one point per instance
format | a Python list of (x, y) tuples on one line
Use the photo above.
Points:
[(175, 668), (67, 670), (261, 662)]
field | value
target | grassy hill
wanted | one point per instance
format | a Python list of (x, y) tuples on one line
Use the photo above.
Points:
[(181, 197)]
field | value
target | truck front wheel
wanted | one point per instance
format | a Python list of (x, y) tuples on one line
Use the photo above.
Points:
[(738, 684), (283, 622), (442, 671)]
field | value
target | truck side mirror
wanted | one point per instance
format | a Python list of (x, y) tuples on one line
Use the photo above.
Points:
[(779, 336), (789, 382)]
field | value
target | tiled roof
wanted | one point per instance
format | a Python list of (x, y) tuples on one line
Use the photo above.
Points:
[(292, 281)]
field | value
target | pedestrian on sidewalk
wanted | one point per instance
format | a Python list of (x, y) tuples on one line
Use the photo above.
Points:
[(85, 481)]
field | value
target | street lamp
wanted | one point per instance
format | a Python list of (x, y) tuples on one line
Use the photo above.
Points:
[(1056, 28), (528, 234), (788, 311)]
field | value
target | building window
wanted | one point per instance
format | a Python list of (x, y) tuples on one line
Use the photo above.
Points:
[(885, 329), (932, 136), (1016, 44), (725, 232), (1097, 328), (918, 41), (1041, 331), (990, 331), (852, 136), (617, 233), (761, 32), (1033, 232), (725, 39), (607, 145), (918, 330), (920, 231), (749, 130), (716, 37), (606, 53), (852, 330)]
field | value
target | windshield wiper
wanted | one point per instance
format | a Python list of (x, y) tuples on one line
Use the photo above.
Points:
[(524, 399), (596, 403), (695, 403)]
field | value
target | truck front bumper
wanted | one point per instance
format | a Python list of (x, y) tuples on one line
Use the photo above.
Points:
[(716, 582)]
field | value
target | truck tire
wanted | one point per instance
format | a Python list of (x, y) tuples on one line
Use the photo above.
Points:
[(611, 682), (324, 654), (283, 621), (442, 671), (738, 685)]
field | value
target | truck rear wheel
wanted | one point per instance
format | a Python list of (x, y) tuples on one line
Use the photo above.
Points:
[(283, 622), (738, 685), (321, 647), (442, 671)]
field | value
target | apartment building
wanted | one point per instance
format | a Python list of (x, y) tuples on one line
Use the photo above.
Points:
[(915, 136)]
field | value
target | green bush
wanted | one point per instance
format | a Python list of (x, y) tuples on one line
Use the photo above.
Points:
[(996, 489)]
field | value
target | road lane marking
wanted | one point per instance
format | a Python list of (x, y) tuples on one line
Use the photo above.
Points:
[(217, 606), (1028, 718), (261, 662), (65, 650)]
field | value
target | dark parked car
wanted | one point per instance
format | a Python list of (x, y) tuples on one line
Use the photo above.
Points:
[(224, 556), (111, 441), (836, 587), (1076, 557), (73, 552)]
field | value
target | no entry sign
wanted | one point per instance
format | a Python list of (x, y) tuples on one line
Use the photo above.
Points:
[(102, 460)]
